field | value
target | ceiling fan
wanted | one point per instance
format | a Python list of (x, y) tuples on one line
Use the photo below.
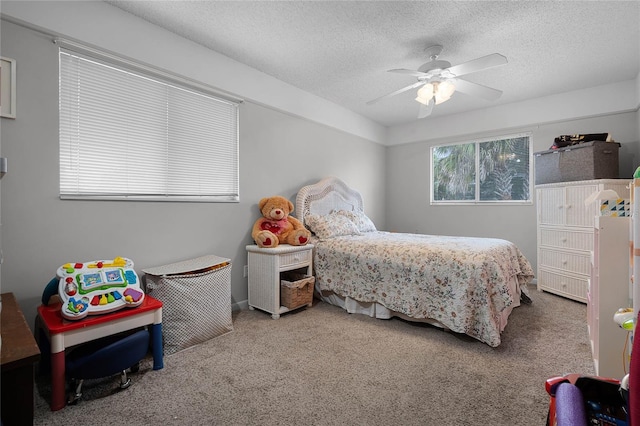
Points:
[(438, 80)]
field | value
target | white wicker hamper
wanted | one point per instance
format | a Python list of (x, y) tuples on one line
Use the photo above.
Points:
[(196, 298)]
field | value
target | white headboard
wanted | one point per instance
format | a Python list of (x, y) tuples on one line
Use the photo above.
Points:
[(327, 195)]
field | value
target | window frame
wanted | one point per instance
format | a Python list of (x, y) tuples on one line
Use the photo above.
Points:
[(167, 79), (476, 201)]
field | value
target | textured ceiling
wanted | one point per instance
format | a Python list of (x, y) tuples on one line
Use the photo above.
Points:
[(342, 50)]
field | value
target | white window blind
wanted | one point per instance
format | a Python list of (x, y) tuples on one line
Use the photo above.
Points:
[(130, 135)]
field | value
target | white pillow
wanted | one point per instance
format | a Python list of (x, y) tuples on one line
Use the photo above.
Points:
[(331, 225), (361, 220)]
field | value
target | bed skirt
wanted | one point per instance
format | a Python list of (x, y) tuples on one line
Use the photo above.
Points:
[(376, 310)]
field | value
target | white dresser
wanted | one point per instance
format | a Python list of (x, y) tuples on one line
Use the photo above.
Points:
[(565, 234)]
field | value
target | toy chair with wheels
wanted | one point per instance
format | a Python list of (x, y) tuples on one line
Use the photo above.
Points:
[(103, 358)]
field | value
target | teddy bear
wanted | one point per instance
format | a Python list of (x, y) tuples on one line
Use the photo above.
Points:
[(276, 226)]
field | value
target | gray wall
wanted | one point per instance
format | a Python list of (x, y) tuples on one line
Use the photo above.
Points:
[(41, 232), (279, 153), (408, 176)]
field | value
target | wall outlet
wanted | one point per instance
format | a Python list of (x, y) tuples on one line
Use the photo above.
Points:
[(246, 270)]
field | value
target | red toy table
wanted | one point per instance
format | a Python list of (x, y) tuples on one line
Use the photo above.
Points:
[(63, 334)]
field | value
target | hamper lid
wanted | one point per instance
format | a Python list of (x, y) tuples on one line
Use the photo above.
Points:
[(200, 264)]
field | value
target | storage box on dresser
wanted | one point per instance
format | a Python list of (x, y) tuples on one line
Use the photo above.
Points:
[(588, 160), (565, 234)]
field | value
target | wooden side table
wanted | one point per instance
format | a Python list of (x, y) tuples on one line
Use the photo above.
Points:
[(265, 266), (19, 354)]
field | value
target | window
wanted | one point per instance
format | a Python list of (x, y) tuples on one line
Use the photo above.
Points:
[(129, 132), (486, 171)]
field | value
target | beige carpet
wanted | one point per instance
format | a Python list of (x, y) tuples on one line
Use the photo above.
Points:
[(322, 366)]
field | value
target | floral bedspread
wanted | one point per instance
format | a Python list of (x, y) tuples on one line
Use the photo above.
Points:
[(462, 282)]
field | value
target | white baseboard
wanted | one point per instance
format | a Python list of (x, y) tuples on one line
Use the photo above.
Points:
[(240, 306)]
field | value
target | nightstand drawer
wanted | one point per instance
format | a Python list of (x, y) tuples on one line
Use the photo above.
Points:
[(290, 259), (574, 262), (566, 239)]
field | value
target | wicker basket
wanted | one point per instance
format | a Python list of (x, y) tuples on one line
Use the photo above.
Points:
[(296, 290)]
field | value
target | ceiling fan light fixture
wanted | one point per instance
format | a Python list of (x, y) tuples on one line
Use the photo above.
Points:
[(425, 94), (441, 99), (438, 80), (443, 91)]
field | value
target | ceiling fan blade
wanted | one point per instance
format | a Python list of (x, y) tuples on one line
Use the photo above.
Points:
[(410, 72), (397, 92), (480, 64), (475, 89), (425, 110)]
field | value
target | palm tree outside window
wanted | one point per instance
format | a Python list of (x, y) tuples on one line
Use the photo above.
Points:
[(479, 172)]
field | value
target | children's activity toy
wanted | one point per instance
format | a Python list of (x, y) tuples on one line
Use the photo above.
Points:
[(98, 287)]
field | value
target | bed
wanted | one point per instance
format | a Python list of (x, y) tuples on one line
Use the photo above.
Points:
[(464, 284)]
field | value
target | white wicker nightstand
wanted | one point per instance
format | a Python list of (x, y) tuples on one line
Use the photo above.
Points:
[(265, 267)]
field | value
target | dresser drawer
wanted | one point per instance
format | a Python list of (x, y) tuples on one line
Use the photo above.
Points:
[(290, 259), (579, 240), (579, 263), (570, 286)]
